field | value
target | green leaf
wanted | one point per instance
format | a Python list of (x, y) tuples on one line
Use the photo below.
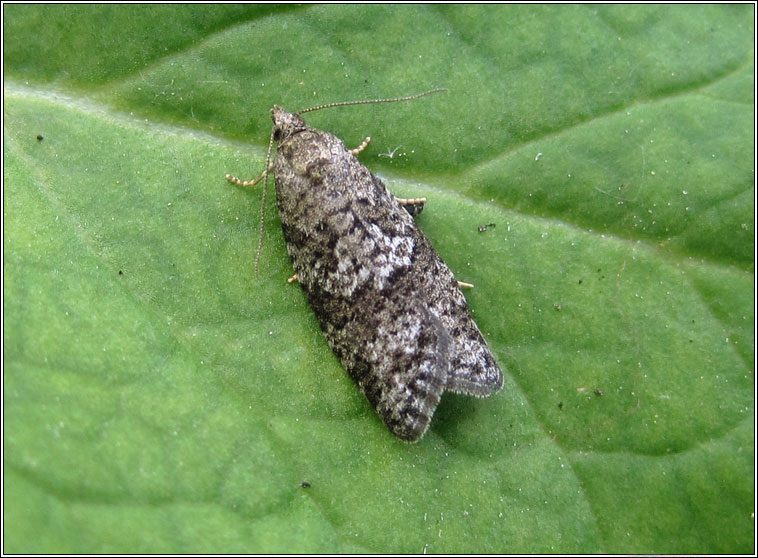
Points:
[(158, 398)]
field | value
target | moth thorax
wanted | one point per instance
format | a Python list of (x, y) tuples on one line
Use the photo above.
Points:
[(285, 123)]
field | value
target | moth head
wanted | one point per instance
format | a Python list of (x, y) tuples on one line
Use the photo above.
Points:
[(285, 123)]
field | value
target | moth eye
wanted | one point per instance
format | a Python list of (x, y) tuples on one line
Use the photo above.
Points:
[(277, 134)]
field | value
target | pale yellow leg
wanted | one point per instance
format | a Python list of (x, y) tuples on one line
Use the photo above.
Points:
[(361, 147), (238, 182), (410, 201)]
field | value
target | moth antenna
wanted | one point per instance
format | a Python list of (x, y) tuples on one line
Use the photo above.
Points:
[(262, 224), (369, 101)]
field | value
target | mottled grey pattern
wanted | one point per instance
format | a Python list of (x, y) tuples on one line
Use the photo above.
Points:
[(388, 305)]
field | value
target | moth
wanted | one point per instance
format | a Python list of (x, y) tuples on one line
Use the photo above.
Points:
[(389, 307)]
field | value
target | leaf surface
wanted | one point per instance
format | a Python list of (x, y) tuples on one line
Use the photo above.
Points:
[(158, 398)]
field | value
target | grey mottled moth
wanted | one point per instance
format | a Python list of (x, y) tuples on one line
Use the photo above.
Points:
[(389, 307)]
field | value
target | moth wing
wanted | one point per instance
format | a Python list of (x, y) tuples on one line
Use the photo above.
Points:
[(473, 369), (403, 369)]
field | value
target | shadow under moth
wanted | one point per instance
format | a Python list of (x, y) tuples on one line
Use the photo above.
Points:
[(389, 307)]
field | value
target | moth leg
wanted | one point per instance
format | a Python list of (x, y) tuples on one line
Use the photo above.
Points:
[(361, 147), (238, 182), (410, 201), (293, 279), (414, 206), (464, 285)]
